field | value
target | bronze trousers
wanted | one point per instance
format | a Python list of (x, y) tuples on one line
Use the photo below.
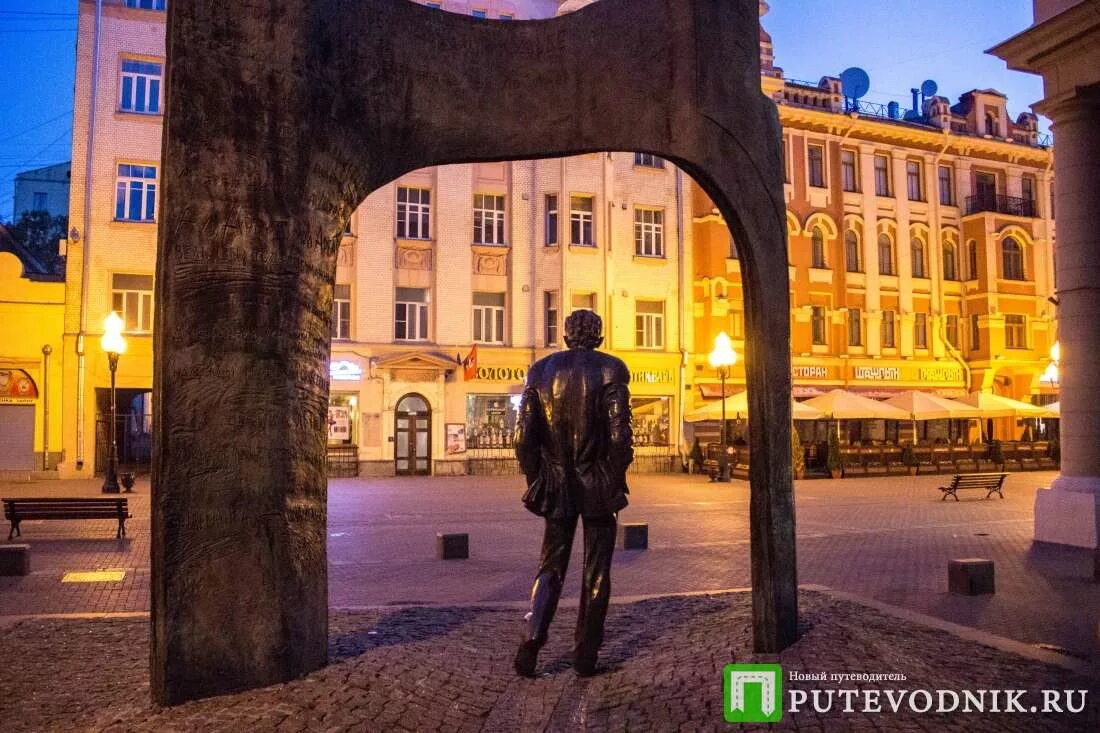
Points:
[(557, 544)]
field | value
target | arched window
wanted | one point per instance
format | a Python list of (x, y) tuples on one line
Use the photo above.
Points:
[(916, 247), (885, 255), (818, 244), (972, 260), (1012, 259), (950, 265), (990, 124), (851, 251)]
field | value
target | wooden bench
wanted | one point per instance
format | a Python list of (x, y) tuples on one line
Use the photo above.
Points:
[(991, 482), (16, 510)]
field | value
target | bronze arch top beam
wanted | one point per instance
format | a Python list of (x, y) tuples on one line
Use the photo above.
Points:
[(282, 115)]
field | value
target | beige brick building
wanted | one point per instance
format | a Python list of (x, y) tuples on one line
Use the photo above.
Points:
[(492, 254)]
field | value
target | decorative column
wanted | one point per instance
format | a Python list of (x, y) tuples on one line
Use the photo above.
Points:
[(1069, 511)]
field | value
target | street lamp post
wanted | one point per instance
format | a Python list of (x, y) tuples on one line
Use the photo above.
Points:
[(114, 345), (722, 358)]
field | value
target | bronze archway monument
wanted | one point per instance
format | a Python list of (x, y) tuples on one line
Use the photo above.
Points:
[(282, 116)]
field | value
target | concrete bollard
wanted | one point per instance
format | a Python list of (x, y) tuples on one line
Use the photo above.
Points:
[(452, 546), (634, 536), (971, 576), (15, 559)]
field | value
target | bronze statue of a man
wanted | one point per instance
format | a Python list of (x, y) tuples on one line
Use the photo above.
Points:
[(574, 444)]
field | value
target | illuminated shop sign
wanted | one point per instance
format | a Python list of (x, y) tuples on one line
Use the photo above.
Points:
[(345, 371), (941, 374), (882, 374), (810, 372), (514, 375), (651, 376)]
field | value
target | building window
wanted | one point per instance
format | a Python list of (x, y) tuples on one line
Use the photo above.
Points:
[(649, 232), (817, 325), (975, 333), (651, 418), (489, 318), (580, 221), (885, 255), (40, 201), (786, 165), (411, 315), (505, 17), (916, 249), (913, 180), (1012, 259), (648, 160), (434, 6), (1015, 331), (488, 219), (135, 192), (551, 300), (490, 421), (851, 251), (146, 4), (947, 186), (649, 324), (478, 13), (920, 330), (990, 124), (972, 259), (952, 329), (414, 211), (882, 175), (1027, 192), (132, 299), (848, 171), (551, 219), (139, 90), (733, 248), (888, 329), (341, 311), (817, 166), (583, 301), (950, 263), (855, 328), (817, 248)]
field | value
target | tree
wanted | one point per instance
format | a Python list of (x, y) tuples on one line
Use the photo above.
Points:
[(40, 233)]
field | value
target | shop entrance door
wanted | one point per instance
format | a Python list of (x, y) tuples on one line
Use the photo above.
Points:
[(413, 436)]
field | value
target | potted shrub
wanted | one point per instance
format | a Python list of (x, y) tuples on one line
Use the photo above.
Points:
[(996, 454), (833, 461), (696, 457), (798, 456), (909, 458)]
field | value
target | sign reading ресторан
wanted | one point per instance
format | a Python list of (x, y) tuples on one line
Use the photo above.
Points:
[(810, 372), (878, 374)]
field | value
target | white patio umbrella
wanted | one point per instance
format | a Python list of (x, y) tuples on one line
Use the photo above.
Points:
[(925, 406), (992, 405), (737, 407), (839, 404)]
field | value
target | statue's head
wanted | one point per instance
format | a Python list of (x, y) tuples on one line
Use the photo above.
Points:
[(583, 330)]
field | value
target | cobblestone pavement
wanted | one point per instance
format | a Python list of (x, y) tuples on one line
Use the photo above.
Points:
[(447, 668), (885, 538)]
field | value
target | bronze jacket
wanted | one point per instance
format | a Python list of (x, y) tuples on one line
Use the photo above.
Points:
[(573, 435)]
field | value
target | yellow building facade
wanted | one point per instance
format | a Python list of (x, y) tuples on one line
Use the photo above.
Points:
[(921, 249), (31, 311)]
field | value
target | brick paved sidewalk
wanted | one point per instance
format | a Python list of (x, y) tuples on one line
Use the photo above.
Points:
[(450, 669)]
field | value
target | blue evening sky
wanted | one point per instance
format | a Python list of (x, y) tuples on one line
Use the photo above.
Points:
[(899, 42)]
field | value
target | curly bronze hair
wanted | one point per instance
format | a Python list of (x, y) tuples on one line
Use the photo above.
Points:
[(583, 330)]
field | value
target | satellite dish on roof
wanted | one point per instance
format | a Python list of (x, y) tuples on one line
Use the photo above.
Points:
[(928, 88), (854, 82)]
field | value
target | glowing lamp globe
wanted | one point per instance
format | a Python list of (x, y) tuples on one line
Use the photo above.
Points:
[(723, 354), (112, 341)]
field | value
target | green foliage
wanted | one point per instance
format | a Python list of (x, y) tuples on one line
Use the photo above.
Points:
[(995, 453), (40, 233), (798, 456), (908, 455), (833, 461), (696, 454)]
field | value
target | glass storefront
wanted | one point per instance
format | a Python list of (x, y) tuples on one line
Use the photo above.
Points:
[(491, 420), (343, 418), (652, 420)]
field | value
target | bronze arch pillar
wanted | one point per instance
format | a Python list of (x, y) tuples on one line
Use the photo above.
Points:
[(282, 116)]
